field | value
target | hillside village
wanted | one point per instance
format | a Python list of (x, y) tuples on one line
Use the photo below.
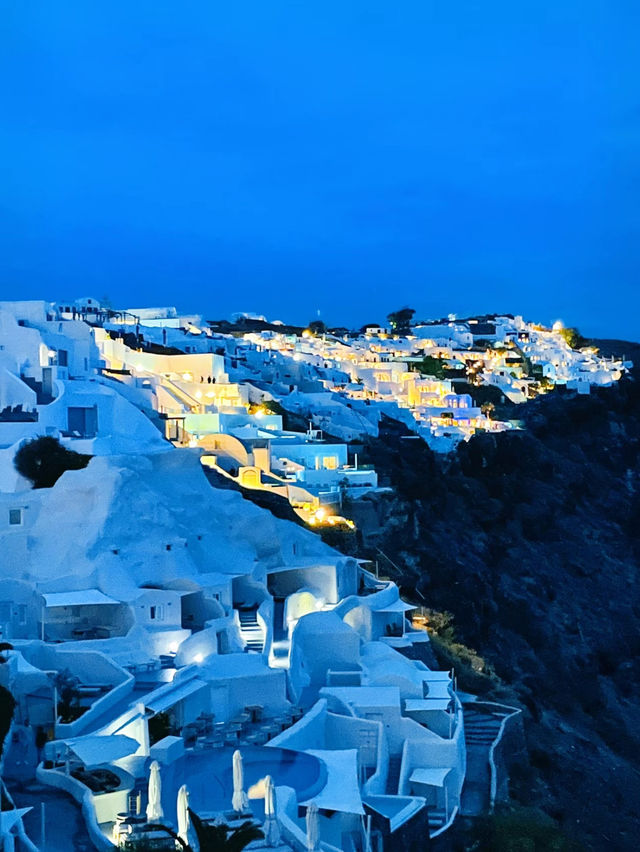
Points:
[(172, 640)]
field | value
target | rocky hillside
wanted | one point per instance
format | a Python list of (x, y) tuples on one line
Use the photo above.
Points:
[(532, 541)]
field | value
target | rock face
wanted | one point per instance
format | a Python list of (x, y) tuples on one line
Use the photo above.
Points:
[(532, 541)]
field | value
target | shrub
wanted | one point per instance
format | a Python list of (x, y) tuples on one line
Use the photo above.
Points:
[(520, 830), (43, 460), (573, 338), (7, 706), (430, 366), (474, 674)]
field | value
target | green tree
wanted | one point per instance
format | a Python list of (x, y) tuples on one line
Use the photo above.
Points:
[(488, 409), (43, 460), (573, 338), (430, 366), (400, 321), (317, 328)]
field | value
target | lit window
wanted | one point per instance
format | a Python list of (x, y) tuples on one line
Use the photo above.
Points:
[(330, 462), (15, 517)]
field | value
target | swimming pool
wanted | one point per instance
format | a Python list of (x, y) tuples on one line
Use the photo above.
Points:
[(209, 776)]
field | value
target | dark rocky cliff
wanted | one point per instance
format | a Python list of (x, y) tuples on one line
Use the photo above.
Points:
[(532, 541)]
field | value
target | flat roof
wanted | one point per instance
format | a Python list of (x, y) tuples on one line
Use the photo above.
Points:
[(95, 750), (415, 704), (170, 694), (365, 696), (87, 597)]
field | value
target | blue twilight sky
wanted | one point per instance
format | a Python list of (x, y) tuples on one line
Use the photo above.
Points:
[(348, 157)]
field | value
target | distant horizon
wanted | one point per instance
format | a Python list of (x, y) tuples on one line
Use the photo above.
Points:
[(354, 325)]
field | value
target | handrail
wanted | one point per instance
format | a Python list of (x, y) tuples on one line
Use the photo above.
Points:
[(389, 560), (494, 744), (446, 826), (174, 388)]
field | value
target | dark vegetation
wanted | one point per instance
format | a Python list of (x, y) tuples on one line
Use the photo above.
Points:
[(43, 460), (161, 725), (430, 366), (573, 337), (7, 701), (317, 328), (514, 829), (211, 838), (531, 540), (400, 321)]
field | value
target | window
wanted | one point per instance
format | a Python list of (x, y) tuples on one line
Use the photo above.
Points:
[(156, 613), (63, 358), (330, 462), (15, 517)]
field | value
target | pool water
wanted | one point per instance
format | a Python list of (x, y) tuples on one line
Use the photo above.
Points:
[(209, 777)]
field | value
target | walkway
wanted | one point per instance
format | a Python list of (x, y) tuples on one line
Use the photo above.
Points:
[(481, 729)]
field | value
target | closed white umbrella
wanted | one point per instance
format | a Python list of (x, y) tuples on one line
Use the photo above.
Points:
[(313, 827), (154, 805), (239, 802), (270, 827), (183, 812)]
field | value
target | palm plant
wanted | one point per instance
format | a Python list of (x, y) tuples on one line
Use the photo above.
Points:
[(214, 838), (222, 838)]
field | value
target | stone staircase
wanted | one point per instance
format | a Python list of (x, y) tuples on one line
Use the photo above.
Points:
[(250, 630), (437, 818), (481, 728)]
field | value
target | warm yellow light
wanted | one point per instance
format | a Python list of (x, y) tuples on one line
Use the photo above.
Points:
[(187, 377), (321, 514), (198, 394)]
